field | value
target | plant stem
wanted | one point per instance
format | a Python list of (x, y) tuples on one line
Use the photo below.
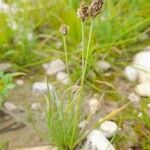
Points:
[(83, 42), (87, 54), (66, 55), (83, 74)]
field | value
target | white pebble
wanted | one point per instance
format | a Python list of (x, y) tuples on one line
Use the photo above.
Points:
[(9, 106), (63, 77), (94, 105), (102, 66), (54, 67), (41, 87), (97, 141), (142, 61), (109, 128), (143, 89), (19, 82), (131, 73), (133, 97), (35, 106), (148, 105), (144, 77), (4, 7)]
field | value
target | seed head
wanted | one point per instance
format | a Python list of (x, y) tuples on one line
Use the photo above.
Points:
[(95, 8), (64, 29), (82, 11)]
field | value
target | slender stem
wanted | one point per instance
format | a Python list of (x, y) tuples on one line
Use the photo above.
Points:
[(83, 42), (66, 55), (87, 54), (83, 74)]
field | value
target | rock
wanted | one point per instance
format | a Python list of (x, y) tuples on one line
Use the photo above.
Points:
[(41, 87), (102, 66), (63, 77), (19, 82), (5, 66), (144, 77), (143, 89), (94, 105), (148, 105), (83, 124), (142, 61), (10, 106), (4, 7), (133, 97), (97, 141), (131, 73), (54, 67), (36, 106), (109, 128)]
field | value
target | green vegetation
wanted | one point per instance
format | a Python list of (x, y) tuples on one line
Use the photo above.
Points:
[(5, 86), (3, 145), (34, 27)]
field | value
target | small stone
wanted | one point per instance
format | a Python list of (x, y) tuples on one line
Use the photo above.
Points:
[(4, 7), (97, 141), (131, 73), (19, 82), (133, 97), (54, 67), (102, 66), (63, 77), (144, 77), (35, 106), (83, 124), (94, 105), (142, 61), (10, 106), (41, 87), (143, 89), (5, 66), (109, 128), (148, 105)]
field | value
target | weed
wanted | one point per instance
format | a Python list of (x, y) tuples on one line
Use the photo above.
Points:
[(63, 117), (5, 86), (3, 145)]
